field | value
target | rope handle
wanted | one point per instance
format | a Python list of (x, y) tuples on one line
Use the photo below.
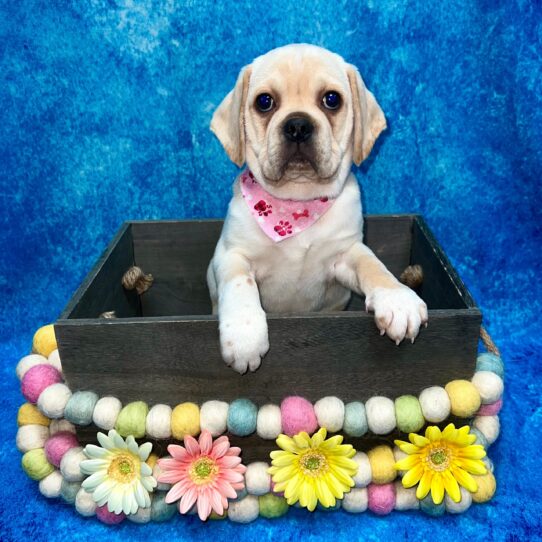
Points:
[(488, 342)]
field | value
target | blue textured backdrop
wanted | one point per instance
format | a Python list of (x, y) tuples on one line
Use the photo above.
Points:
[(104, 110)]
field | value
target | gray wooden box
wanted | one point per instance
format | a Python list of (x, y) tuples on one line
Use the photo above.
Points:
[(164, 346)]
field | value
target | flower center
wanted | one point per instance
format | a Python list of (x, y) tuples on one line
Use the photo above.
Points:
[(439, 459), (123, 468), (203, 470), (314, 463)]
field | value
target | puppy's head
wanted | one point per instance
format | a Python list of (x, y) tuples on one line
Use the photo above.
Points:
[(298, 116)]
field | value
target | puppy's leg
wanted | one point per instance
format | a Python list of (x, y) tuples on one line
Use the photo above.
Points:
[(398, 310), (211, 284), (242, 322)]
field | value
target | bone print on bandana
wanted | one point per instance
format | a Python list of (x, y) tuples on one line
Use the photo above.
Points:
[(280, 218)]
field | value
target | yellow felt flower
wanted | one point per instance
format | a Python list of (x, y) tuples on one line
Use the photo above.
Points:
[(313, 469), (441, 460)]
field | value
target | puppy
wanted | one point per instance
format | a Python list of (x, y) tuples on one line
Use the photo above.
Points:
[(298, 116)]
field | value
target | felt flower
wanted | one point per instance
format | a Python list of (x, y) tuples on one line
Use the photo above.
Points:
[(204, 473), (440, 461), (313, 469), (119, 476)]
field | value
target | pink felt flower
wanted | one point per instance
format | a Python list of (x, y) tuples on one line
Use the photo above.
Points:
[(207, 473)]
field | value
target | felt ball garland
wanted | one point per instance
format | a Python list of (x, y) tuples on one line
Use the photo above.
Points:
[(52, 454)]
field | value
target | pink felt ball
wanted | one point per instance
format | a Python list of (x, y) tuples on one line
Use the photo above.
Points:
[(38, 378), (57, 445), (297, 415), (490, 410), (381, 498), (107, 517)]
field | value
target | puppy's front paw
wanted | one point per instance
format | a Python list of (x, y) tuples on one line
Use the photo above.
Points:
[(244, 340), (399, 312)]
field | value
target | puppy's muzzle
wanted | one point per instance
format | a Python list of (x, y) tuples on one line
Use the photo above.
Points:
[(298, 129)]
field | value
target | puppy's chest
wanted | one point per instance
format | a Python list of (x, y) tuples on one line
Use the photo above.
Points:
[(293, 275)]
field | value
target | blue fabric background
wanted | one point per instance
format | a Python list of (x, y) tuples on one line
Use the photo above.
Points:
[(105, 108)]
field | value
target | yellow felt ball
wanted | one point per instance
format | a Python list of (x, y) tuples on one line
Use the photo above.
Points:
[(382, 463), (464, 398), (151, 460), (30, 415), (44, 341), (486, 487), (35, 464), (185, 420)]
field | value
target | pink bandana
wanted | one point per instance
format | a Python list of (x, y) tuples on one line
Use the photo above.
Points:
[(280, 218)]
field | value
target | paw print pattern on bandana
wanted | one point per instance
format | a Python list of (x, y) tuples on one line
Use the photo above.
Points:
[(279, 218), (283, 228), (263, 208)]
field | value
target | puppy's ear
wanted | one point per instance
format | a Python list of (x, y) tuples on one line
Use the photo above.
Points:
[(369, 119), (228, 123)]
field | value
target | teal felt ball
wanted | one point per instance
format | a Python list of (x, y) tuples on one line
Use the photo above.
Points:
[(242, 417), (429, 507), (80, 407), (355, 419), (160, 510), (69, 490), (490, 362), (480, 437)]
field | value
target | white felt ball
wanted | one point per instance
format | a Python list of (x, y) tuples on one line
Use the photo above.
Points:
[(398, 454), (363, 477), (257, 480), (489, 426), (435, 403), (27, 363), (489, 385), (269, 422), (156, 471), (57, 426), (158, 423), (54, 360), (330, 413), (458, 507), (245, 510), (213, 416), (143, 515), (53, 400), (70, 464), (405, 499), (106, 412), (355, 501), (380, 415), (84, 503), (50, 485), (30, 437)]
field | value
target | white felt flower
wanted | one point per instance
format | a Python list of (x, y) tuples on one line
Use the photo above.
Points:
[(118, 473)]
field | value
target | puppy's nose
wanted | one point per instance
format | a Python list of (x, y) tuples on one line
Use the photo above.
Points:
[(298, 129)]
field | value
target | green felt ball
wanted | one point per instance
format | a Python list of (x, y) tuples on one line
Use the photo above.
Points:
[(216, 516), (69, 490), (355, 419), (80, 407), (408, 413), (160, 510), (131, 420), (272, 506), (35, 464)]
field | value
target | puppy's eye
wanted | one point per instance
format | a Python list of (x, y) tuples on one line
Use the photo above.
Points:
[(265, 102), (331, 100)]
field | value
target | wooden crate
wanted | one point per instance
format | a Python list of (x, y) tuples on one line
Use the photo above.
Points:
[(164, 345)]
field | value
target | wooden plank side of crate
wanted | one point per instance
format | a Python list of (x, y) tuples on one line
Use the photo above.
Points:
[(314, 355), (255, 448), (102, 290), (441, 287), (177, 253)]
